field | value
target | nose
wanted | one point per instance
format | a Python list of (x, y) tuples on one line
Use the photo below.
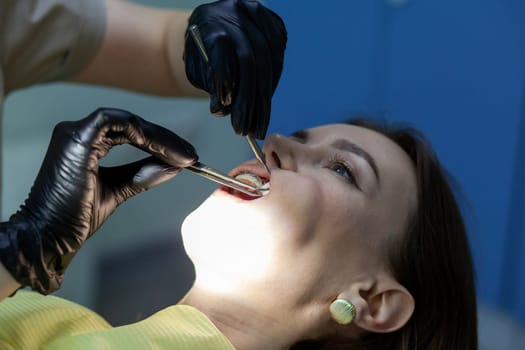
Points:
[(280, 152)]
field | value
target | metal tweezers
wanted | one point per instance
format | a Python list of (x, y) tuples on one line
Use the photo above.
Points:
[(215, 175), (223, 179)]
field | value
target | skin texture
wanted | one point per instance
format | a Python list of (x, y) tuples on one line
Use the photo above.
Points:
[(268, 269), (146, 41)]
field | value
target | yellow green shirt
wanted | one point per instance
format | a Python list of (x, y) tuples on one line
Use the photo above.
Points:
[(33, 321)]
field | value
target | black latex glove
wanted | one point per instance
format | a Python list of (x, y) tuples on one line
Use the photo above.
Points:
[(245, 43), (72, 195)]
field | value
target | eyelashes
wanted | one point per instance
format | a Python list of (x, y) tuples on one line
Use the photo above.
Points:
[(343, 168)]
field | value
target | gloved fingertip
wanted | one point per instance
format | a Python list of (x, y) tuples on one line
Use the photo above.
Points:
[(214, 104), (190, 151), (257, 130), (172, 171), (217, 108), (258, 134), (151, 175)]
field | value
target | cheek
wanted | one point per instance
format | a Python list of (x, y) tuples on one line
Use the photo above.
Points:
[(299, 206), (345, 221)]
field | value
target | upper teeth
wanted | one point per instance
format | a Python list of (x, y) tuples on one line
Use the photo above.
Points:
[(250, 179)]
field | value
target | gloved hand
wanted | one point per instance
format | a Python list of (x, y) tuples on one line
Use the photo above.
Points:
[(245, 43), (72, 195)]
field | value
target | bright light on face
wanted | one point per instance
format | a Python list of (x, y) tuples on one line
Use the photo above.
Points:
[(229, 243), (336, 192)]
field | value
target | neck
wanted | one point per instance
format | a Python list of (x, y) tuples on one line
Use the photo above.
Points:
[(247, 322)]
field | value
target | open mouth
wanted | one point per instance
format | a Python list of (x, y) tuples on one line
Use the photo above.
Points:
[(251, 179), (250, 175)]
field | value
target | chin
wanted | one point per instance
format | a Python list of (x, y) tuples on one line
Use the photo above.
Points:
[(222, 221), (226, 212), (227, 256), (230, 239)]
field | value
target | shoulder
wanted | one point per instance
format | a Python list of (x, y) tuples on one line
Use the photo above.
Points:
[(68, 32), (28, 320)]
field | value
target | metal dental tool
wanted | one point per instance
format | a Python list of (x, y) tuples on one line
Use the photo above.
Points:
[(257, 152), (215, 175), (254, 146)]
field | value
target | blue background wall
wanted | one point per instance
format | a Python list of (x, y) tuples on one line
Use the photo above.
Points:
[(456, 70)]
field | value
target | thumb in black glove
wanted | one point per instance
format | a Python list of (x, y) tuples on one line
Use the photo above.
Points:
[(245, 43), (72, 195)]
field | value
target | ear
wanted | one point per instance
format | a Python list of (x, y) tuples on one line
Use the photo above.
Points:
[(383, 306)]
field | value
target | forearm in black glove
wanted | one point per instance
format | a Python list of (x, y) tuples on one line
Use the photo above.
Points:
[(72, 195), (245, 43)]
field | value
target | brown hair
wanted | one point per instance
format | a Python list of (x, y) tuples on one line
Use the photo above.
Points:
[(432, 260)]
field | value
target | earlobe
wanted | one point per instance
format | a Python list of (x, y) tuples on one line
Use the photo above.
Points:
[(385, 307)]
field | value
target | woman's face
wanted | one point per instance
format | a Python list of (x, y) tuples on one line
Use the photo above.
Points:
[(337, 192)]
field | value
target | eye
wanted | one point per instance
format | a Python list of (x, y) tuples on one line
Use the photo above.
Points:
[(341, 168)]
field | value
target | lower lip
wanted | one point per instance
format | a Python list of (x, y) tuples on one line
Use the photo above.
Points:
[(238, 195)]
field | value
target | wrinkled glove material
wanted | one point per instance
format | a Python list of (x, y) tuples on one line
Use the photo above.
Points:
[(73, 195), (245, 44)]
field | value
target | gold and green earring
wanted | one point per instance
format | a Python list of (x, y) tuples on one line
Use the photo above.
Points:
[(342, 311)]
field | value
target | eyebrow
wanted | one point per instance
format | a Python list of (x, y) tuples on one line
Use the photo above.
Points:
[(344, 145)]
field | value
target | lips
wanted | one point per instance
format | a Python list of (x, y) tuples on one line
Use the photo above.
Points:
[(253, 169), (251, 174), (250, 179)]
